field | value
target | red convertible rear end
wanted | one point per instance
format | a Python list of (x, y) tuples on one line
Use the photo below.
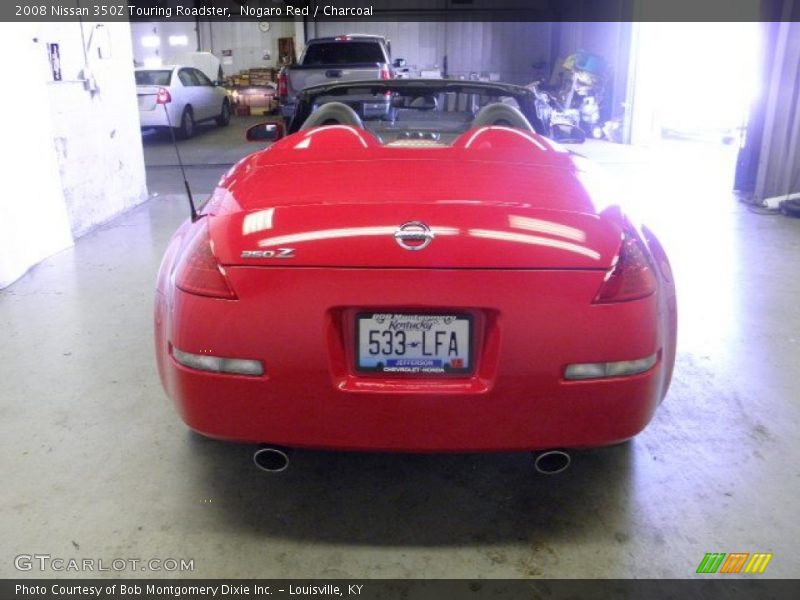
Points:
[(346, 295), (447, 280)]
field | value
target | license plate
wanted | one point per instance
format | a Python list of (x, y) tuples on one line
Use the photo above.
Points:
[(415, 344)]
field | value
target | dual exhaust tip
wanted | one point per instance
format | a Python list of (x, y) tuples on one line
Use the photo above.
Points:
[(271, 459), (276, 460), (552, 462)]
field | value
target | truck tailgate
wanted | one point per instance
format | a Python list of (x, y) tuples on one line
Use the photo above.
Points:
[(300, 77)]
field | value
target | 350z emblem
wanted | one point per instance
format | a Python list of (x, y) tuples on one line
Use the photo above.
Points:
[(276, 253)]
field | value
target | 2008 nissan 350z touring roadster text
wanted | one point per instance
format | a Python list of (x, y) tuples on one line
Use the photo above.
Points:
[(437, 276)]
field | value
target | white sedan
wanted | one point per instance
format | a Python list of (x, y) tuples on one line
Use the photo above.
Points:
[(188, 94)]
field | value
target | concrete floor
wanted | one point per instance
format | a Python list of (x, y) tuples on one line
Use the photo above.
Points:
[(96, 464), (211, 152)]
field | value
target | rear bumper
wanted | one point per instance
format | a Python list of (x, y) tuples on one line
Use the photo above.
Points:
[(529, 326), (156, 118), (516, 415)]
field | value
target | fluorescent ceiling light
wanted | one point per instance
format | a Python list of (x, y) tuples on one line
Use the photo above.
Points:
[(151, 41)]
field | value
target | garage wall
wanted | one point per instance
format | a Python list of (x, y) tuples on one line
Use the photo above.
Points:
[(33, 215), (779, 160), (143, 34), (96, 133), (244, 39), (246, 42), (508, 49), (76, 159)]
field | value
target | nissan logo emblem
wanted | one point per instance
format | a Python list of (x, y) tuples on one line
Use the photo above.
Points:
[(413, 235)]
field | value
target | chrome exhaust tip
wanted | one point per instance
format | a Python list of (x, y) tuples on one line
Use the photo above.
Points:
[(552, 462), (271, 459)]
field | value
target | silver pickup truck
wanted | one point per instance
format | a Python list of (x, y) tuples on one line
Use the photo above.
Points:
[(353, 57)]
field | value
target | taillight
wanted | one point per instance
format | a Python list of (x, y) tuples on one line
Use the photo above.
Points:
[(385, 73), (657, 250), (163, 96), (631, 277), (198, 271), (283, 85)]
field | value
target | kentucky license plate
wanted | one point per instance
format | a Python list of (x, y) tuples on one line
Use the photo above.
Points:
[(414, 344)]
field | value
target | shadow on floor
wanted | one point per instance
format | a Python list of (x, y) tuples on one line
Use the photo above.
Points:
[(416, 500)]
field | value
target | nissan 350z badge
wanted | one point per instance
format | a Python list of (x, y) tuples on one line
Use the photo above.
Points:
[(276, 253)]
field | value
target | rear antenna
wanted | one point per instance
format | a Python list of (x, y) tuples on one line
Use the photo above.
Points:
[(163, 97)]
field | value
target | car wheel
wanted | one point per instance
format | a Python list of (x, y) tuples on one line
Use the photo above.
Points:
[(186, 129), (225, 114)]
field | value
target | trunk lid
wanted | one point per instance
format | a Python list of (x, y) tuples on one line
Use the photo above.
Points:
[(146, 95), (459, 235)]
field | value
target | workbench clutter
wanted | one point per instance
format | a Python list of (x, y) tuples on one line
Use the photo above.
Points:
[(252, 91)]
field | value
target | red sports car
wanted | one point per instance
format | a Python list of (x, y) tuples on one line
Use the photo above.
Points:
[(441, 278)]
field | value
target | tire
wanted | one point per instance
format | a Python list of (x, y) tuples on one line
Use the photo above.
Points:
[(225, 114), (187, 126)]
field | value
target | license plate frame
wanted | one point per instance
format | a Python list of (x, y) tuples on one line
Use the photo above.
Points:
[(421, 368)]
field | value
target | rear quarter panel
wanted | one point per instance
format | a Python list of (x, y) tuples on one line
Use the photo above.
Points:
[(164, 297)]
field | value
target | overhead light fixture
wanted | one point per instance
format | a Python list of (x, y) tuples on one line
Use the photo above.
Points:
[(151, 41), (178, 40)]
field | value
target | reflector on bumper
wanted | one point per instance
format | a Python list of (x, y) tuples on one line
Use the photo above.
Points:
[(216, 364), (621, 368)]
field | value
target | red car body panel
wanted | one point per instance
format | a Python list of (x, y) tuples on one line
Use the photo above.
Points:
[(522, 246)]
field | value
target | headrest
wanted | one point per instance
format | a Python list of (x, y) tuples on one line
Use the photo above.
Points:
[(332, 113), (328, 138), (505, 139), (503, 115)]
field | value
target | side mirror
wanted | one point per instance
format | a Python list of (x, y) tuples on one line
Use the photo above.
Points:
[(265, 132), (399, 63), (567, 134)]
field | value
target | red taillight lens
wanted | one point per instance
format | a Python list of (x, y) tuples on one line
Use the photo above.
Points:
[(631, 277), (198, 271), (657, 250), (163, 96), (385, 73), (283, 85)]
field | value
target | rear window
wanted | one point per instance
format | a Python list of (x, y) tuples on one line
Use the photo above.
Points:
[(341, 53), (160, 77)]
